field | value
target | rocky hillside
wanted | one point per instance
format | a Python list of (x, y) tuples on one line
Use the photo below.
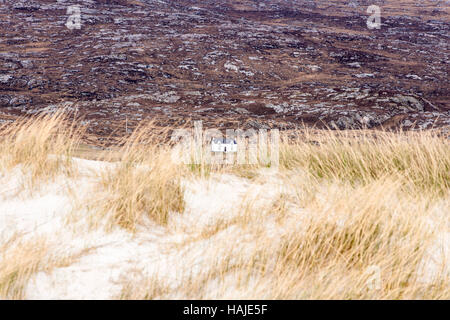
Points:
[(258, 64)]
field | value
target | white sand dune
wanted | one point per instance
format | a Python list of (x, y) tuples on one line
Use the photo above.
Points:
[(104, 261)]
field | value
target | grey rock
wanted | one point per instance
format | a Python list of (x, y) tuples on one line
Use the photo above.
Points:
[(14, 101), (257, 125), (408, 102), (26, 6), (6, 79), (241, 110)]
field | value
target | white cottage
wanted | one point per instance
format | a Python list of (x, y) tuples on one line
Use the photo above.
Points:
[(223, 145)]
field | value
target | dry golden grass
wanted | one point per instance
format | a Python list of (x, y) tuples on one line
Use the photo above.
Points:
[(334, 252), (366, 209), (42, 146), (422, 158), (18, 264), (358, 217), (20, 259), (144, 182)]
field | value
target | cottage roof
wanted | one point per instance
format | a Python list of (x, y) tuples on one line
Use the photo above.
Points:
[(223, 141)]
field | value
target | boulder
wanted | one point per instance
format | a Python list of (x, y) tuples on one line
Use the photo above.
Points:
[(408, 102)]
